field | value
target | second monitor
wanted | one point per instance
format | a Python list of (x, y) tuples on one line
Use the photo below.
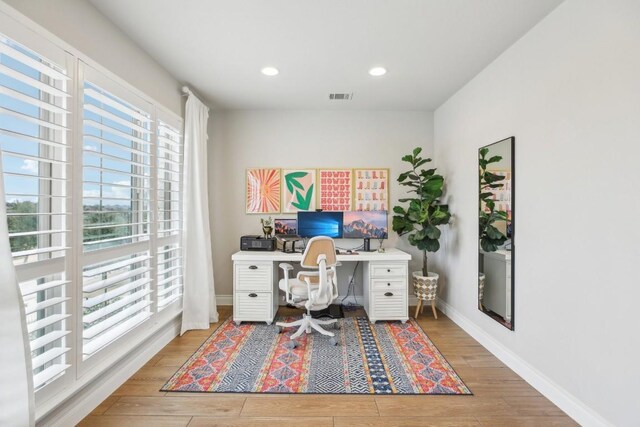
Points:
[(365, 225)]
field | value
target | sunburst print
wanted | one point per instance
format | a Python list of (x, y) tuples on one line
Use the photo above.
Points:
[(263, 191)]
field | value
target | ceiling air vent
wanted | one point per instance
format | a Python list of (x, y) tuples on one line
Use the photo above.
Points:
[(340, 96)]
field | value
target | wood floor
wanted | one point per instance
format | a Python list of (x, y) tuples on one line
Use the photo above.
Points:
[(501, 398)]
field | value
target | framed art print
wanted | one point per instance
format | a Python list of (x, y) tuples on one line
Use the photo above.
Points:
[(299, 192), (371, 189), (335, 189), (263, 191)]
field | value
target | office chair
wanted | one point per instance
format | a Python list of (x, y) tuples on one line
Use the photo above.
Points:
[(313, 290)]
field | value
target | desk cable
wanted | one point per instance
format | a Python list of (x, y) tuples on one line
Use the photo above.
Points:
[(351, 286)]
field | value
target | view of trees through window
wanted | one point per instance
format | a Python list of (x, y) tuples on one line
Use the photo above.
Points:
[(22, 223), (116, 171), (113, 218), (20, 129)]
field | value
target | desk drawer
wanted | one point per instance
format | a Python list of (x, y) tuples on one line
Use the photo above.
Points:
[(253, 276), (391, 304), (377, 270), (389, 284), (253, 306)]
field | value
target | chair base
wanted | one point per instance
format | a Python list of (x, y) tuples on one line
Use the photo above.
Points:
[(334, 311), (307, 324)]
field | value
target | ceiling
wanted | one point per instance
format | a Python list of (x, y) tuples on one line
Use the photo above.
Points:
[(430, 48)]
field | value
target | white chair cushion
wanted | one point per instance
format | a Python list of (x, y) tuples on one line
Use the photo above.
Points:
[(297, 288)]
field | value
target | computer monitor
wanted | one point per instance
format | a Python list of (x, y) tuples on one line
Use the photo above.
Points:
[(286, 226), (312, 224), (365, 224)]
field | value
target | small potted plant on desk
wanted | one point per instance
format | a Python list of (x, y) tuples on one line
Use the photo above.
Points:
[(420, 220)]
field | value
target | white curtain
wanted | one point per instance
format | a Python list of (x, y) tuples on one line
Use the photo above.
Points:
[(17, 406), (199, 306)]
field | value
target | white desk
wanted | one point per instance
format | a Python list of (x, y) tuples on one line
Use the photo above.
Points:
[(497, 287), (256, 276)]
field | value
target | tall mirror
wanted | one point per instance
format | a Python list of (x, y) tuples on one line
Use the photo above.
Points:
[(496, 231)]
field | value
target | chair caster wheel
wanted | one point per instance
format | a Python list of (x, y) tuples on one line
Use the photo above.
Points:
[(336, 325), (279, 329), (333, 341), (291, 345)]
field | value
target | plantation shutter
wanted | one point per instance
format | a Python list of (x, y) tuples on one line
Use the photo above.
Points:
[(116, 158), (34, 137), (169, 226)]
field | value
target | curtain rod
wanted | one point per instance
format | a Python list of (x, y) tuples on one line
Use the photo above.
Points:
[(186, 91)]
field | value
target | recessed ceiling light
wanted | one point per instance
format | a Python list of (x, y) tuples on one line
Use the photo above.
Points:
[(378, 71), (270, 71)]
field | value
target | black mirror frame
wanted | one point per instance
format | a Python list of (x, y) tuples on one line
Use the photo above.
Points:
[(512, 141)]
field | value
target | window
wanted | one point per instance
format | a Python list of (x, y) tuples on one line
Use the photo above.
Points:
[(34, 118), (116, 202), (116, 170), (92, 173)]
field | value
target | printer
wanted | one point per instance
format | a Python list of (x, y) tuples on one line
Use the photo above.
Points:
[(256, 242)]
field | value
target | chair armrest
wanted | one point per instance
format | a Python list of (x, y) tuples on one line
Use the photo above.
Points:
[(285, 266)]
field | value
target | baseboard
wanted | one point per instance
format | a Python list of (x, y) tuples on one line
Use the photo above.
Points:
[(74, 409), (357, 300), (574, 407), (224, 299)]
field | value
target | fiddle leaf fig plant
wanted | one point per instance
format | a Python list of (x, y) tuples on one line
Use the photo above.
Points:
[(490, 237), (422, 215)]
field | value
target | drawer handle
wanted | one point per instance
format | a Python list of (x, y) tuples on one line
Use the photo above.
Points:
[(388, 294), (388, 284), (388, 270), (252, 295), (253, 267)]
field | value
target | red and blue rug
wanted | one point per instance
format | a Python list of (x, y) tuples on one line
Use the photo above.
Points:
[(385, 358)]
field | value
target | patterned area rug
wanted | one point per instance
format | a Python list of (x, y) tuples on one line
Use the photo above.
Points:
[(385, 358)]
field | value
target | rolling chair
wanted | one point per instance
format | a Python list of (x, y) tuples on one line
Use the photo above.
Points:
[(313, 290)]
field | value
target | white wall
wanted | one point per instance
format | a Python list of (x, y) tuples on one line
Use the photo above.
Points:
[(83, 27), (569, 91), (243, 139)]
